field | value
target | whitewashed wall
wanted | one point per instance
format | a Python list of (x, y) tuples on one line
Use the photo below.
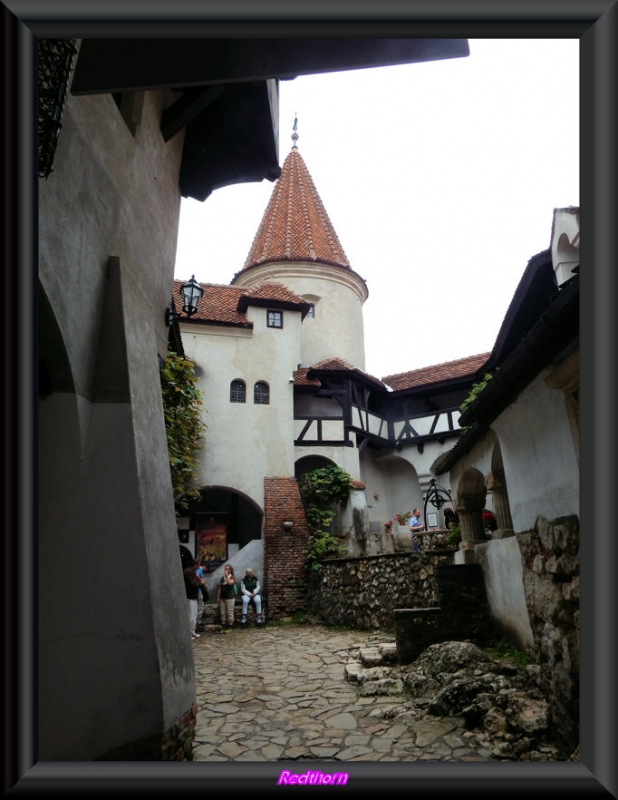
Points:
[(243, 441)]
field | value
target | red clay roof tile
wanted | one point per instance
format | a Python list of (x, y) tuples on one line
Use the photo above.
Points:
[(449, 370), (220, 304), (295, 225)]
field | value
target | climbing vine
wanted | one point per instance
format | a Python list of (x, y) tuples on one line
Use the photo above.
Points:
[(477, 388), (182, 401), (321, 490)]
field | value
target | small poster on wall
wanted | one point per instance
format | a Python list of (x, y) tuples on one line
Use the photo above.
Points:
[(432, 519), (210, 541)]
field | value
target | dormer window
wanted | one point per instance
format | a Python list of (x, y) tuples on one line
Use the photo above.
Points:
[(274, 319)]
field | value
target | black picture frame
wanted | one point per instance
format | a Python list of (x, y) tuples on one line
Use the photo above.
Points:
[(595, 24)]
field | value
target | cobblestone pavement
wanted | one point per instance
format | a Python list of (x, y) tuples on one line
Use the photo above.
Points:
[(279, 693)]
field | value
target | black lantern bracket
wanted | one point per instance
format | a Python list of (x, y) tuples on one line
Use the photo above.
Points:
[(191, 293)]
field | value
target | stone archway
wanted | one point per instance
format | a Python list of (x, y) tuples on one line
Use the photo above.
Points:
[(497, 484), (471, 497), (238, 515)]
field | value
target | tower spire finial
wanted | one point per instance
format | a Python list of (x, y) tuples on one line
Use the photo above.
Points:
[(294, 134)]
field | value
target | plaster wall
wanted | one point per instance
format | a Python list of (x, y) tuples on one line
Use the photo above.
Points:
[(539, 457), (397, 481), (503, 573), (112, 589), (400, 488), (244, 442), (88, 212), (337, 329), (479, 457), (344, 457)]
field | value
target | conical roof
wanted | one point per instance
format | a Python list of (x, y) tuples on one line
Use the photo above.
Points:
[(295, 225)]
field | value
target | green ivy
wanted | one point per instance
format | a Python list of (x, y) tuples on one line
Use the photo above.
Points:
[(477, 388), (454, 535), (182, 401), (322, 489)]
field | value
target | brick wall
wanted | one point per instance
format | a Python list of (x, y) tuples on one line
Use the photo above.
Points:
[(284, 551)]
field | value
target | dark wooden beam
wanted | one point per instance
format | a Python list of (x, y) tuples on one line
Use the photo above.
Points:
[(186, 108), (116, 65)]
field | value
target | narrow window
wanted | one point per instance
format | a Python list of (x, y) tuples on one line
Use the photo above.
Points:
[(311, 312), (275, 319), (261, 393), (238, 393)]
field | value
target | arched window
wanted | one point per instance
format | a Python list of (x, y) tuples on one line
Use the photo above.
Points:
[(238, 392), (261, 393)]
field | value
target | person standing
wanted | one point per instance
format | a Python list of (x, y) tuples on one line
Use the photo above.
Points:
[(416, 525), (226, 598), (450, 518), (250, 588), (192, 585), (201, 598)]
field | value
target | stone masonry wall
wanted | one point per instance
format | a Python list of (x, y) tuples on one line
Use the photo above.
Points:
[(550, 556), (370, 592), (284, 551), (463, 613), (363, 592)]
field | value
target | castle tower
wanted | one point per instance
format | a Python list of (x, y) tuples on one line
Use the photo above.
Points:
[(296, 245)]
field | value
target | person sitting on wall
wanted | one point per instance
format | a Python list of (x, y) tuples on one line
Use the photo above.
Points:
[(250, 588)]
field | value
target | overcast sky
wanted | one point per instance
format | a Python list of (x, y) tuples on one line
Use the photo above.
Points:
[(440, 179)]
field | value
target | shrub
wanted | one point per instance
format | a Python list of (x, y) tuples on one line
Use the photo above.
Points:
[(322, 489), (182, 401)]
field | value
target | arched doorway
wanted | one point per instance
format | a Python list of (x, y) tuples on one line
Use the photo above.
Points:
[(224, 522), (309, 463)]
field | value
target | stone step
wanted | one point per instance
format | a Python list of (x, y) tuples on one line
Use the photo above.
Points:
[(375, 656), (388, 651), (370, 656), (373, 680)]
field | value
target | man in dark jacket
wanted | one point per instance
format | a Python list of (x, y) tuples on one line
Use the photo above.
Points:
[(193, 582)]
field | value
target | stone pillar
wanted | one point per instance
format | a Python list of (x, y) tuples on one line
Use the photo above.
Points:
[(471, 524)]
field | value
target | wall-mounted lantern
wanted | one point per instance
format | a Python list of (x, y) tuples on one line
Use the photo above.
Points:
[(191, 293), (288, 525)]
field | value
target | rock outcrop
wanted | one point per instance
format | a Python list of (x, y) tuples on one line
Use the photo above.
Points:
[(500, 702)]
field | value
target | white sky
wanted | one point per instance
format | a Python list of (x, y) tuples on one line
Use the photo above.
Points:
[(440, 179)]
